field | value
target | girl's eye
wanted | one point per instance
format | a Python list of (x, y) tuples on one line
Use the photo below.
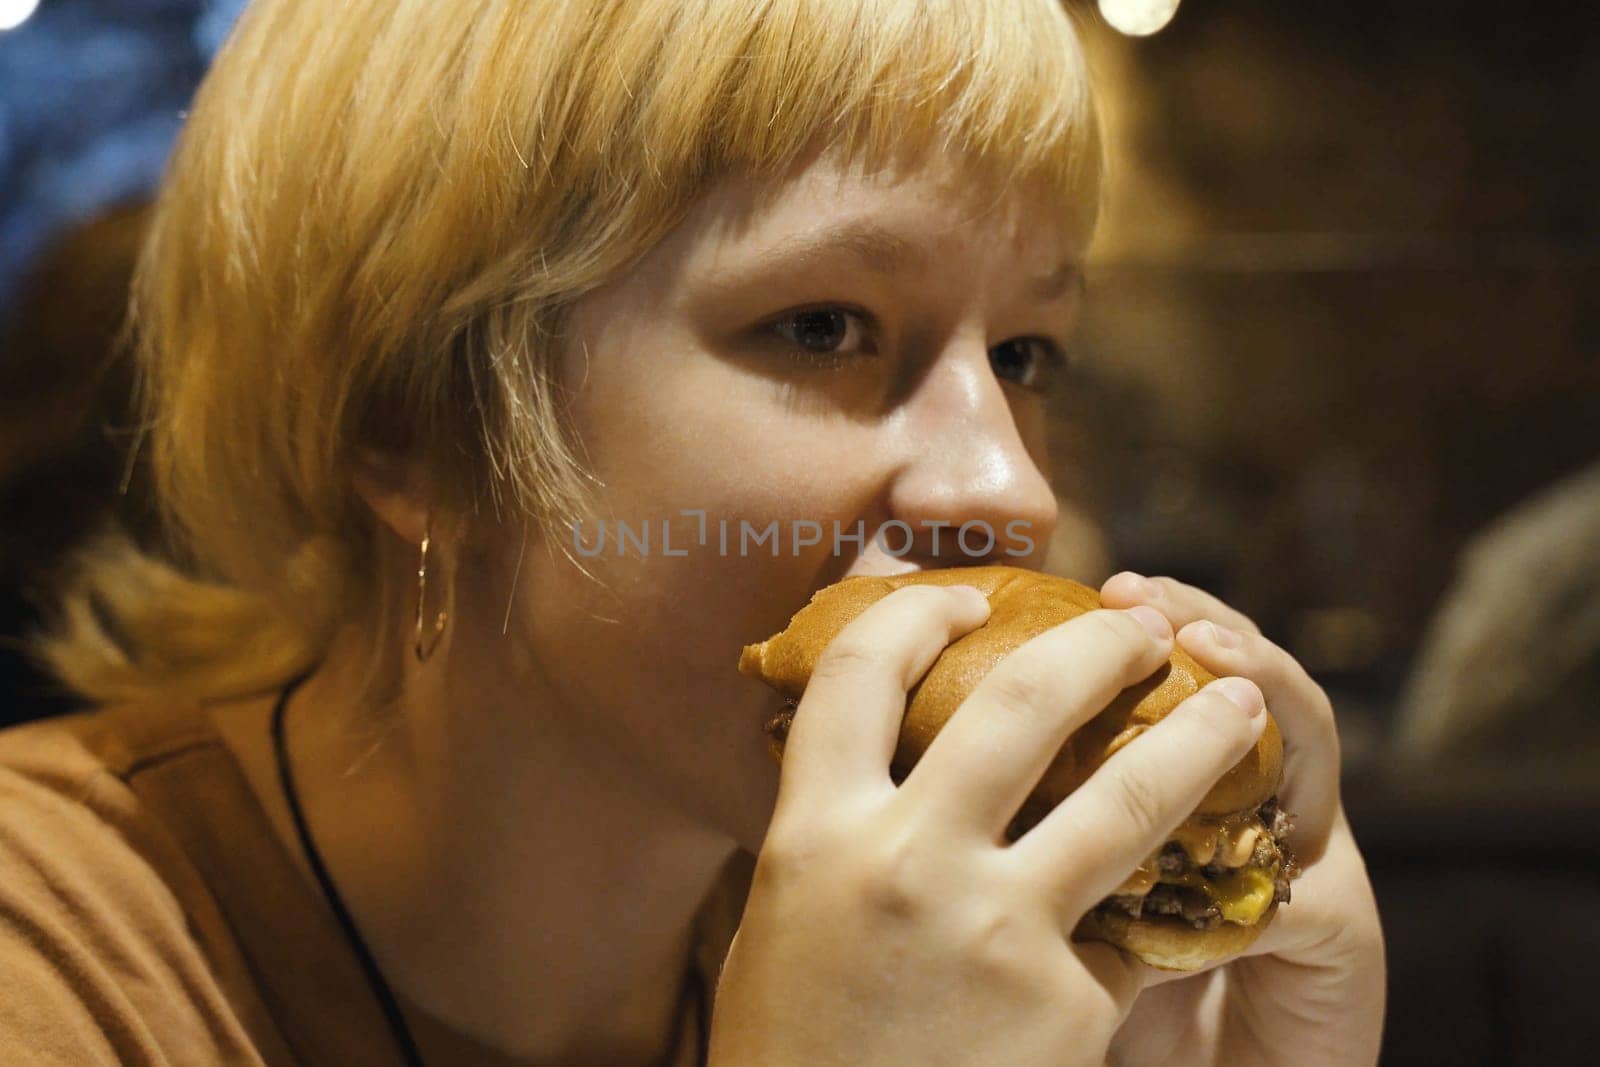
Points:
[(1024, 360), (831, 336), (827, 333)]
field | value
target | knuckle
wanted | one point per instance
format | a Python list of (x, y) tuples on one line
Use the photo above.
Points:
[(1176, 595), (1001, 945), (1137, 798), (1249, 640), (846, 656), (1021, 691), (892, 881), (1122, 631), (1220, 720)]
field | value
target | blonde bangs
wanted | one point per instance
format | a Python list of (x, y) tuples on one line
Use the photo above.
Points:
[(1003, 85)]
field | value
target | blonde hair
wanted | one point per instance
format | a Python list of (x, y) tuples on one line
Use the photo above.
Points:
[(371, 229)]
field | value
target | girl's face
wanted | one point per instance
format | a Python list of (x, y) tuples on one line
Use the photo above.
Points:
[(840, 353)]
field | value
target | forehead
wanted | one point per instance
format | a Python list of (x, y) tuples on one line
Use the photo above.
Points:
[(885, 217)]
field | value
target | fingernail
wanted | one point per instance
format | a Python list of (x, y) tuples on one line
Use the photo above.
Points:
[(1224, 637), (970, 591), (1244, 693), (1153, 621)]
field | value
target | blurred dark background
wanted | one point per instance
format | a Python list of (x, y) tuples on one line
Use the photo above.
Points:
[(1339, 367), (1342, 368)]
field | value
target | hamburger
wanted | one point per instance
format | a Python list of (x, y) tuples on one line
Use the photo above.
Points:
[(1206, 893)]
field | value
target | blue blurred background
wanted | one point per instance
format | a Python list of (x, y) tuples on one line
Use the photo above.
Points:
[(92, 93)]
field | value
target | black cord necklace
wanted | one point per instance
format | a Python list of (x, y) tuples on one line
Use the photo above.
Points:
[(391, 1009), (694, 983)]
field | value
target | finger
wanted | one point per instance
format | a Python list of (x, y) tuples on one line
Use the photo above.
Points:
[(1122, 976), (1089, 844), (848, 721), (994, 749), (1180, 603), (1159, 1028), (1304, 714)]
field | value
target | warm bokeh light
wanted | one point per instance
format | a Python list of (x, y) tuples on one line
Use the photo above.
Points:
[(1138, 18), (14, 13)]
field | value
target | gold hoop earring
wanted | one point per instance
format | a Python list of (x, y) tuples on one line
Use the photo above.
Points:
[(422, 591)]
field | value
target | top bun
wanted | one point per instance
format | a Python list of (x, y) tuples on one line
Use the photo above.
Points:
[(1023, 603)]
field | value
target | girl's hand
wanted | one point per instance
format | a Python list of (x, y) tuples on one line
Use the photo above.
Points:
[(1311, 989), (894, 925)]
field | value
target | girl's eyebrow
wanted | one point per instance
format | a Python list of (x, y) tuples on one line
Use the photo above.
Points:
[(874, 246), (1065, 280), (883, 251)]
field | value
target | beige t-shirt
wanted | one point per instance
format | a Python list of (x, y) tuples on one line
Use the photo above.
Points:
[(149, 914)]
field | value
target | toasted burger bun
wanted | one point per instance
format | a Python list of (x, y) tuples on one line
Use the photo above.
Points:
[(1023, 604)]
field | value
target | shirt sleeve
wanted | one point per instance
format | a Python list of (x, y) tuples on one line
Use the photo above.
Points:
[(97, 963)]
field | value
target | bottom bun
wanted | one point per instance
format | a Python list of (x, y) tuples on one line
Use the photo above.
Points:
[(1170, 944)]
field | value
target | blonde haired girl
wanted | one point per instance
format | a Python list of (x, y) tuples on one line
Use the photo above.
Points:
[(386, 772)]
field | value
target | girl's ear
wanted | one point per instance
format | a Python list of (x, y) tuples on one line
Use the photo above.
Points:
[(395, 489)]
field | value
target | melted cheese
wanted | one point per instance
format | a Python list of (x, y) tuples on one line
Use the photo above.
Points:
[(1242, 895)]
